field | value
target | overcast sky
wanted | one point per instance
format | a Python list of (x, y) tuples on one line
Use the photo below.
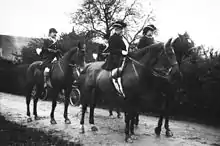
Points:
[(33, 18)]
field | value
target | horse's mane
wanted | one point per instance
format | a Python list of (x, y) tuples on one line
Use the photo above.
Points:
[(138, 54)]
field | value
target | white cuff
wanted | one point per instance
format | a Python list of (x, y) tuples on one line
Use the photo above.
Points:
[(38, 50), (124, 52)]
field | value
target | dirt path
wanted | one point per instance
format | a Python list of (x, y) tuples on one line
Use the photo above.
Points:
[(111, 131)]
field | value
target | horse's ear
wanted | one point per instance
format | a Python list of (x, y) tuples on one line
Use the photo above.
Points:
[(186, 34), (79, 45), (168, 43)]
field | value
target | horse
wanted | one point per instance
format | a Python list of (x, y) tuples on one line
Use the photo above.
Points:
[(185, 46), (141, 76), (61, 78)]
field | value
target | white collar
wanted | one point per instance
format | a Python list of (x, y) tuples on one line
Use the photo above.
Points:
[(54, 40)]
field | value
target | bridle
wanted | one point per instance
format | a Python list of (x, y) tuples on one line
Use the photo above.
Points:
[(172, 64)]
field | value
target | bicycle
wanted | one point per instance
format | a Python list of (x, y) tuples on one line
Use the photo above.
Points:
[(74, 97)]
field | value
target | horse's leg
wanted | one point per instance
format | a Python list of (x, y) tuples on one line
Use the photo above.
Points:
[(28, 100), (54, 104), (91, 113), (127, 126), (110, 113), (133, 117), (66, 104), (159, 125), (118, 113), (83, 110), (38, 94), (166, 125), (160, 121), (136, 119)]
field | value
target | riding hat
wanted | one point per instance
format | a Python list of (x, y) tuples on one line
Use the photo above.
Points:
[(119, 24), (52, 30), (149, 27)]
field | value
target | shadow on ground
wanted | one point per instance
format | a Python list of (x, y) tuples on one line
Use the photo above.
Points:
[(14, 134)]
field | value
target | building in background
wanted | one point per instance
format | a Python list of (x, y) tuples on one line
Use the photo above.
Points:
[(11, 44)]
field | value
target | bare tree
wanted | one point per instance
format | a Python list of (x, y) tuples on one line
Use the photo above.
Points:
[(98, 16)]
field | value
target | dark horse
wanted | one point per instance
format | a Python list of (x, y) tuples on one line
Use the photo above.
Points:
[(149, 71), (183, 46), (61, 76)]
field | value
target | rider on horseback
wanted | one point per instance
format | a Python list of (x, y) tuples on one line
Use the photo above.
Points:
[(147, 38), (118, 49), (50, 52)]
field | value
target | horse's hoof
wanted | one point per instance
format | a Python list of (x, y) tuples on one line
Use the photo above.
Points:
[(94, 128), (157, 131), (82, 130), (36, 118), (53, 122), (67, 121), (29, 120), (169, 133), (134, 137), (128, 139)]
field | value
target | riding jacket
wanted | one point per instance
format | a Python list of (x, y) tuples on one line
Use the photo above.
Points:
[(118, 48), (117, 44), (145, 41), (51, 44)]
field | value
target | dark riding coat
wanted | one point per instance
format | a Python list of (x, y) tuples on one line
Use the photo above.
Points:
[(145, 41), (48, 56), (116, 45)]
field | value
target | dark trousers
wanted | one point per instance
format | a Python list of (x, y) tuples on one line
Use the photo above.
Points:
[(47, 61)]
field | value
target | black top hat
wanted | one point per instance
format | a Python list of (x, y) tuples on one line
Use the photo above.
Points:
[(52, 30), (149, 27), (119, 24)]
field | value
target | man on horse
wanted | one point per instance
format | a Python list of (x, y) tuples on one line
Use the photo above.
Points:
[(147, 38), (50, 52), (118, 49)]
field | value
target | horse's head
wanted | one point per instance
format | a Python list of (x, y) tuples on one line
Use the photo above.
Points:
[(182, 46), (79, 57), (172, 59), (176, 49)]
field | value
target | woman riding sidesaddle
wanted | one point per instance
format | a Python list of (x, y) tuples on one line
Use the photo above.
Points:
[(118, 49)]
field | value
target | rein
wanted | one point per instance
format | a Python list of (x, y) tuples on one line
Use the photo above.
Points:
[(61, 58), (135, 61), (154, 72)]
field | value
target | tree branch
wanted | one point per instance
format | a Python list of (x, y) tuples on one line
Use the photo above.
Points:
[(139, 31), (129, 10)]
